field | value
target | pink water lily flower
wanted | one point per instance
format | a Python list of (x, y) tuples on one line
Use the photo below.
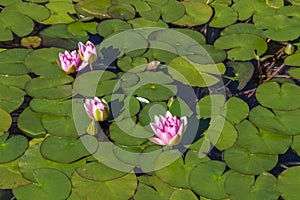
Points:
[(87, 52), (168, 129), (69, 62), (98, 110)]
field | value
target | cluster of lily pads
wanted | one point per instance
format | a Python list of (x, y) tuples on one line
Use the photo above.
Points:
[(135, 117)]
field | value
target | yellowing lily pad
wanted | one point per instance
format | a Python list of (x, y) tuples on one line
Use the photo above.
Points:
[(6, 121)]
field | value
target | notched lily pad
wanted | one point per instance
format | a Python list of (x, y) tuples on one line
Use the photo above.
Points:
[(289, 183), (12, 61), (5, 122)]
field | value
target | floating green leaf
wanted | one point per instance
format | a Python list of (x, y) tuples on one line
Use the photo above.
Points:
[(123, 11), (111, 26), (236, 110), (260, 141), (172, 11), (67, 150), (30, 123), (279, 27), (33, 160), (281, 122), (120, 188), (277, 97), (223, 16), (49, 184), (295, 73), (243, 72), (50, 87), (245, 162), (242, 28), (12, 148), (293, 60), (59, 12), (251, 188), (6, 121), (82, 28), (12, 61), (241, 46), (289, 183), (196, 13), (93, 8), (211, 183)]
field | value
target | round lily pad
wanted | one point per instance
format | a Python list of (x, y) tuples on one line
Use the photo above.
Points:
[(6, 121), (251, 188), (183, 195), (296, 144), (153, 13), (82, 29), (11, 105), (289, 183), (59, 12), (50, 184), (295, 73), (32, 160), (243, 72), (211, 183), (260, 141), (211, 105), (50, 87), (241, 46), (223, 16), (274, 96), (155, 92), (279, 27), (10, 92), (11, 176), (18, 81), (293, 60), (147, 113), (281, 122), (93, 8), (67, 150), (43, 62), (30, 123), (122, 11), (245, 162), (196, 13), (111, 26), (120, 188), (242, 28), (206, 54), (236, 110), (31, 41), (13, 61), (172, 11), (51, 107), (12, 148)]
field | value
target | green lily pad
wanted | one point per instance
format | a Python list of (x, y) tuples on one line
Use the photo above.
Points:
[(126, 132), (147, 113), (142, 23), (120, 188), (191, 73), (50, 184), (196, 13), (123, 11), (260, 141), (43, 62), (183, 195), (293, 60), (172, 11), (243, 72), (275, 3), (33, 160), (139, 5), (10, 92), (15, 22), (90, 83), (296, 144), (129, 64), (128, 42), (223, 16), (153, 14), (277, 97), (111, 26), (12, 61), (195, 35), (177, 172), (128, 154), (279, 27), (242, 28), (289, 183), (11, 105), (93, 8), (51, 107), (30, 123), (67, 150), (34, 11), (7, 2), (82, 28), (208, 55), (58, 36), (11, 176), (290, 11), (295, 73), (211, 183), (241, 46), (236, 110), (50, 87), (12, 148), (211, 105), (31, 41), (156, 92), (180, 108), (5, 122), (245, 162), (251, 188), (59, 12), (96, 171), (281, 122)]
